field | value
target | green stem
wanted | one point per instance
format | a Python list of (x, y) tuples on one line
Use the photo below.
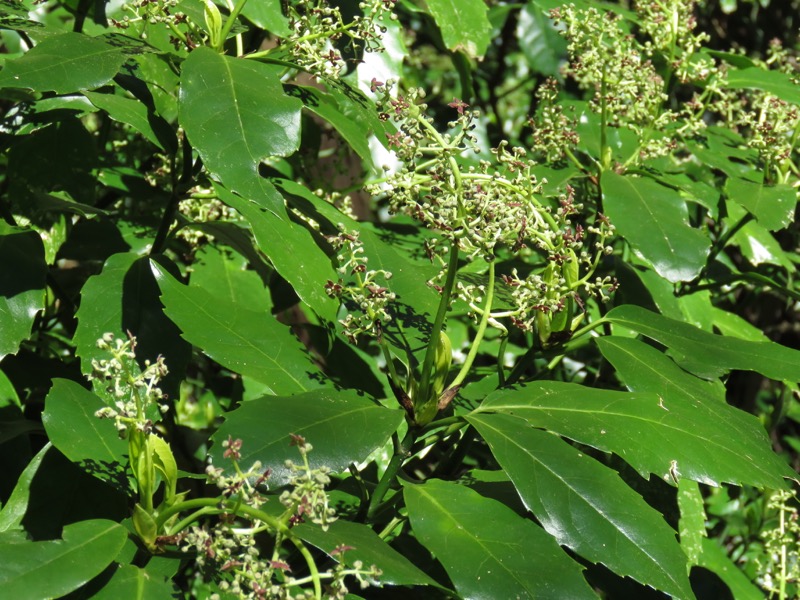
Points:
[(473, 351), (391, 526), (401, 453), (312, 566), (221, 507), (726, 237), (501, 373), (747, 276), (438, 323), (226, 29), (605, 150)]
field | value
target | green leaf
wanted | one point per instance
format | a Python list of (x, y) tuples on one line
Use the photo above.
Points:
[(54, 568), (716, 560), (133, 583), (487, 549), (666, 435), (236, 114), (757, 244), (354, 131), (59, 157), (654, 220), (585, 505), (289, 246), (137, 115), (101, 309), (122, 299), (224, 274), (267, 14), (464, 25), (164, 462), (721, 353), (63, 63), (92, 443), (249, 342), (80, 496), (364, 545), (343, 427), (642, 368), (23, 272), (773, 206), (542, 45), (773, 82), (692, 525)]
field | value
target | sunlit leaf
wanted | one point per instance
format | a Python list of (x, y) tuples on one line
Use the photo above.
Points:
[(584, 505)]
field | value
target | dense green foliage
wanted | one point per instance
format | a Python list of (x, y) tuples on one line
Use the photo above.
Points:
[(311, 299)]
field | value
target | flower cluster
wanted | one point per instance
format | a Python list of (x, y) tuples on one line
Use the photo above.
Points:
[(161, 13), (359, 287), (782, 546), (553, 131), (670, 25), (488, 208), (605, 58), (231, 551), (306, 498), (202, 208), (479, 207), (773, 124), (133, 393), (317, 28)]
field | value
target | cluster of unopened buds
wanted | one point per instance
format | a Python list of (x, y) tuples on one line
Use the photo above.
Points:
[(155, 12), (359, 288), (318, 26), (488, 208), (130, 391), (231, 550)]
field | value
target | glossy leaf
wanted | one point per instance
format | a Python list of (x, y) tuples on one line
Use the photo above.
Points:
[(464, 25), (136, 114), (669, 436), (289, 246), (79, 497), (364, 545), (63, 63), (716, 560), (692, 525), (132, 583), (92, 443), (249, 342), (773, 82), (654, 220), (236, 114), (757, 244), (642, 368), (541, 43), (342, 426), (584, 505), (124, 299), (22, 282), (224, 274), (714, 351), (487, 549), (267, 14), (773, 206), (54, 568), (354, 131), (35, 169), (101, 312)]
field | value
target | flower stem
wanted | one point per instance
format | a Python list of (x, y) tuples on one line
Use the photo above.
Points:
[(401, 453), (444, 303), (473, 351)]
